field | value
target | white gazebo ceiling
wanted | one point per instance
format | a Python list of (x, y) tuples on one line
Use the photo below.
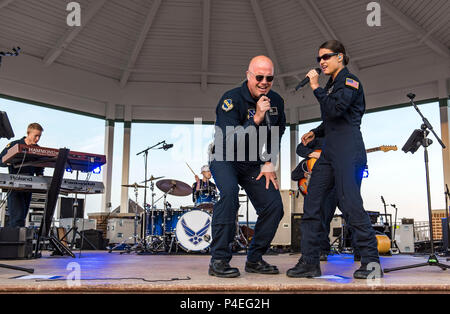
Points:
[(172, 59)]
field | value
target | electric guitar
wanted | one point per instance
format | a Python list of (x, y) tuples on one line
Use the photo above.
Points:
[(308, 164)]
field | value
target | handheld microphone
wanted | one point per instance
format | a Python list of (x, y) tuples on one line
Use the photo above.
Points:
[(306, 80), (266, 115)]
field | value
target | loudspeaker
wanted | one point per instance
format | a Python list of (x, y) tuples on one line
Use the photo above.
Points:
[(93, 236), (65, 207), (16, 243), (296, 233)]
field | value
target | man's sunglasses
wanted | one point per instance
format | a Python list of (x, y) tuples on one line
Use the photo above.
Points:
[(259, 78), (327, 56)]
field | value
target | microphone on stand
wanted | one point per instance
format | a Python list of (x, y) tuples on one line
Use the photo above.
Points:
[(306, 80), (165, 146), (382, 199)]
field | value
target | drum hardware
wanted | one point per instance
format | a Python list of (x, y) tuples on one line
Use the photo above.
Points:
[(74, 228), (137, 245), (165, 146)]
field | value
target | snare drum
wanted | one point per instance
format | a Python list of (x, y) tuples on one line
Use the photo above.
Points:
[(193, 231)]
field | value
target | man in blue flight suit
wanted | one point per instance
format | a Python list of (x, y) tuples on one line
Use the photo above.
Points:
[(341, 164), (330, 201), (19, 201), (241, 134)]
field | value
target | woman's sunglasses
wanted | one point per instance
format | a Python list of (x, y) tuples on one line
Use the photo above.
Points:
[(259, 78), (327, 56)]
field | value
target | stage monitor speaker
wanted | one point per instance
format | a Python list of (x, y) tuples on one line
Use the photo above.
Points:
[(65, 208), (296, 233), (93, 236), (16, 243)]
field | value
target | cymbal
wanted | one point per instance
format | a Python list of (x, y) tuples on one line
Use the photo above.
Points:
[(152, 178), (134, 185), (175, 187)]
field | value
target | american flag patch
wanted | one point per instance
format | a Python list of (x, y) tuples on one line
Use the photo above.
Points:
[(352, 83)]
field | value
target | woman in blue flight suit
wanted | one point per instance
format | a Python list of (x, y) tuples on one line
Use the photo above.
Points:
[(343, 158), (329, 203)]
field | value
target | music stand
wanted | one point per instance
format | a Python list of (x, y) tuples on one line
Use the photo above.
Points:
[(419, 138)]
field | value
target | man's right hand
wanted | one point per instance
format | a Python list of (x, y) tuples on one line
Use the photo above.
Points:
[(262, 106), (197, 179), (308, 137)]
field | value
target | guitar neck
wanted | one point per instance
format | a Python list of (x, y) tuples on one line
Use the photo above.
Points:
[(371, 150)]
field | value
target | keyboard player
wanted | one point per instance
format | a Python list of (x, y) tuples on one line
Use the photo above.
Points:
[(19, 201)]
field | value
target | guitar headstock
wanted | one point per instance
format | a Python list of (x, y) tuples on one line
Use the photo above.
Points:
[(386, 148)]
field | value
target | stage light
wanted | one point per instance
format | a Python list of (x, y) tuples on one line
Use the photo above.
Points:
[(68, 169), (97, 170)]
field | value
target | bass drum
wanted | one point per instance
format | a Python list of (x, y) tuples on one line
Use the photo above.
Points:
[(193, 231)]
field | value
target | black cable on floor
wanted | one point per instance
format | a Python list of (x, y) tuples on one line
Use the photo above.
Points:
[(131, 278)]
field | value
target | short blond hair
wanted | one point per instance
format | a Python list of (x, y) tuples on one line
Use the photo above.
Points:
[(34, 126)]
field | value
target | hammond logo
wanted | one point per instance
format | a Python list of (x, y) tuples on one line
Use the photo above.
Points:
[(195, 237)]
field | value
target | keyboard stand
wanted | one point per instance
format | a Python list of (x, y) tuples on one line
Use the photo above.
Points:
[(49, 210)]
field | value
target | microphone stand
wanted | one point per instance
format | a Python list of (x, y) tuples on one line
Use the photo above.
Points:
[(144, 222), (425, 142)]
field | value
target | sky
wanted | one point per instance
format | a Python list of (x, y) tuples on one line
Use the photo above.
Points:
[(398, 177)]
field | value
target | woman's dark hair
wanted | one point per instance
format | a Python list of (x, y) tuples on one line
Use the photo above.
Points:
[(336, 46)]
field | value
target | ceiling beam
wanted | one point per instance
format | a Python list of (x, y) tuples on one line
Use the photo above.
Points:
[(205, 41), (321, 23), (266, 38), (412, 27), (4, 3), (72, 33), (140, 42)]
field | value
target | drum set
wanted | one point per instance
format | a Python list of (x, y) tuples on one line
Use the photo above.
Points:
[(167, 229)]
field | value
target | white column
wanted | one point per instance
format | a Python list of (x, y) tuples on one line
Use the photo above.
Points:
[(107, 169), (126, 160)]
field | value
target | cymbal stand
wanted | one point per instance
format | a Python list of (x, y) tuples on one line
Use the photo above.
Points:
[(162, 239)]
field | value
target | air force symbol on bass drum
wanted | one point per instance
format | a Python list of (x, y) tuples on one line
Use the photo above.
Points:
[(193, 231)]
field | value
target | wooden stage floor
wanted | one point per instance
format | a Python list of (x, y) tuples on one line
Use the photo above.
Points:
[(103, 272)]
